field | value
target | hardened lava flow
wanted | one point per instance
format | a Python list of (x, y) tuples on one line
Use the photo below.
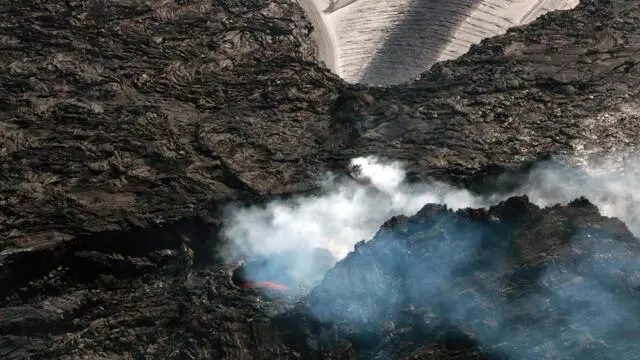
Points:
[(294, 271)]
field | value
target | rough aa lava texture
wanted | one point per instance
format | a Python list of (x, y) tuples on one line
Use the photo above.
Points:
[(125, 126), (510, 282)]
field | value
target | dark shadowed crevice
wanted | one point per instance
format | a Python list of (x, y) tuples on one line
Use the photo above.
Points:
[(122, 254)]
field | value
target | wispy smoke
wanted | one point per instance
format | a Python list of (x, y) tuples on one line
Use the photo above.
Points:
[(581, 305), (577, 302), (610, 183), (589, 310), (351, 210)]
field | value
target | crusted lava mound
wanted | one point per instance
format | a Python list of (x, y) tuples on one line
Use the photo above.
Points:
[(510, 282)]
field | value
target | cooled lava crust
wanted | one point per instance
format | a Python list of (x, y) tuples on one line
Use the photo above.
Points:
[(285, 271), (126, 126)]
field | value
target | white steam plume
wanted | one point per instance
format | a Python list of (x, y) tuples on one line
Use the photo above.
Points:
[(350, 210), (611, 183)]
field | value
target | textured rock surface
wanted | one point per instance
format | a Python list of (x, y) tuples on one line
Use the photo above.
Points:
[(516, 280), (144, 112), (150, 302), (510, 94), (124, 125)]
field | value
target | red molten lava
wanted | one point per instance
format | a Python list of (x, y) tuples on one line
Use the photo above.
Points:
[(263, 285)]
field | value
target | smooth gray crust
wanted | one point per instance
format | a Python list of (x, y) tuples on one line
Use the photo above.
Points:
[(335, 5)]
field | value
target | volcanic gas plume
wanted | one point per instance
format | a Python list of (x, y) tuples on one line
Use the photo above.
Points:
[(352, 209), (459, 271), (281, 238), (519, 282)]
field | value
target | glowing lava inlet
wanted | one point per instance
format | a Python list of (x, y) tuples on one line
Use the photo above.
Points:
[(279, 234), (267, 285)]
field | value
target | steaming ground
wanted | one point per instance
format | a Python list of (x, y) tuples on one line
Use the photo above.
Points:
[(352, 209), (539, 292), (577, 301)]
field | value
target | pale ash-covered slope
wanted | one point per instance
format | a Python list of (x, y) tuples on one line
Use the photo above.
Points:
[(493, 17), (388, 42)]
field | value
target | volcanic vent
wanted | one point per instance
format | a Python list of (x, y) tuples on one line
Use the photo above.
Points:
[(127, 123), (508, 281)]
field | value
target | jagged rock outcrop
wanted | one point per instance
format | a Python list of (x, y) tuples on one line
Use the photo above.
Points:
[(132, 113), (126, 125), (507, 282), (510, 282)]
